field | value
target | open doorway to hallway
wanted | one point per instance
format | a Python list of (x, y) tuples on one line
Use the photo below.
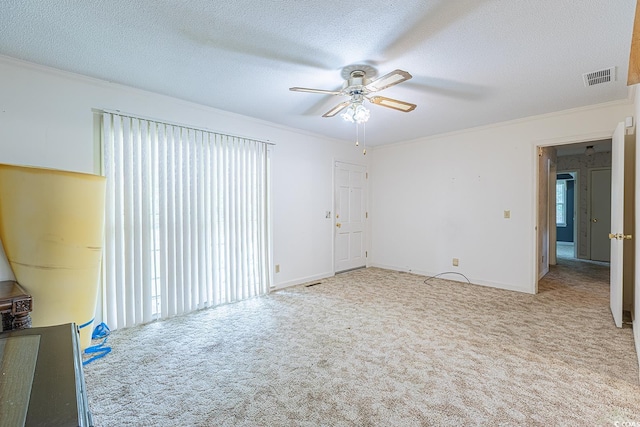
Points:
[(566, 213), (600, 199), (583, 200)]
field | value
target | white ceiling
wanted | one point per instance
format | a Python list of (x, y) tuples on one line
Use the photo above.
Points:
[(473, 62)]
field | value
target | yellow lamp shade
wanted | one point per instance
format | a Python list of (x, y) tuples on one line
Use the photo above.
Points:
[(51, 225)]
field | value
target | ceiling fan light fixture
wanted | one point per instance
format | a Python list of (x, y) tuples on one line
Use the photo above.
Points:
[(356, 113), (361, 114), (348, 115)]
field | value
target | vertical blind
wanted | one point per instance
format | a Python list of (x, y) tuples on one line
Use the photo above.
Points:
[(186, 221)]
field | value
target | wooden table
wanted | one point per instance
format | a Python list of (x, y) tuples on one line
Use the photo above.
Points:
[(15, 306)]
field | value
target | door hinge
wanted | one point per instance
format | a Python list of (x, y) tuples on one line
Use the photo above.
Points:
[(366, 175), (366, 215), (366, 254)]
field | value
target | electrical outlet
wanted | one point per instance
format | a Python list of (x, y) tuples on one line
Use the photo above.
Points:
[(456, 262), (277, 268)]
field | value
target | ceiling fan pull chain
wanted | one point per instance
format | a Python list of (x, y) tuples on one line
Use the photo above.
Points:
[(357, 134), (364, 139)]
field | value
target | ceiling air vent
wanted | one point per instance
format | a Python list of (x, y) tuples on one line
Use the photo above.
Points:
[(601, 76)]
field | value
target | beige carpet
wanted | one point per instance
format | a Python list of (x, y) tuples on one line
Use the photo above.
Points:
[(380, 348)]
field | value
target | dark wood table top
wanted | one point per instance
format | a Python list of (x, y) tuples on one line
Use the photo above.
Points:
[(10, 289)]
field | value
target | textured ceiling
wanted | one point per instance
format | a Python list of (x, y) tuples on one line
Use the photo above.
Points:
[(473, 62)]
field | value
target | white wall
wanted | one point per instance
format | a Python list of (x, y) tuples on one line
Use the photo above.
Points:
[(46, 120), (442, 197)]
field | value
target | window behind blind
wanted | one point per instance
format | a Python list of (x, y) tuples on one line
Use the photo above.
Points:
[(186, 221)]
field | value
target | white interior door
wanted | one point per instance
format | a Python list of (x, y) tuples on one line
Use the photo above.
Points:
[(350, 215), (600, 211), (617, 222)]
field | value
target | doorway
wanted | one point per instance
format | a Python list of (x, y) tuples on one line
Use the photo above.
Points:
[(583, 167), (610, 170), (577, 157), (566, 214)]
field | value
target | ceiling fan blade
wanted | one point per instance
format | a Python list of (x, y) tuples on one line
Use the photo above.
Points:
[(388, 80), (326, 92), (335, 110), (393, 103)]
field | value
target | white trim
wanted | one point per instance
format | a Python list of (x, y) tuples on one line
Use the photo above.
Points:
[(552, 141), (453, 277), (301, 281), (574, 139)]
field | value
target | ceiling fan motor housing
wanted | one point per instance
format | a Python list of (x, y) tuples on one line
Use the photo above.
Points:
[(355, 84)]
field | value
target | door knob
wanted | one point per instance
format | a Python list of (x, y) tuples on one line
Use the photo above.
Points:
[(594, 220), (620, 236), (338, 225)]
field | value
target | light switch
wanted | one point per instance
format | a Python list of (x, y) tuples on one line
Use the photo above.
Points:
[(507, 214)]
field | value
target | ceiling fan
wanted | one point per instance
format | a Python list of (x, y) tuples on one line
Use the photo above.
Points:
[(358, 86)]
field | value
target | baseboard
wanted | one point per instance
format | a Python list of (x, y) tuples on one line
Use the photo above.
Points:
[(543, 272), (302, 280), (455, 277)]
